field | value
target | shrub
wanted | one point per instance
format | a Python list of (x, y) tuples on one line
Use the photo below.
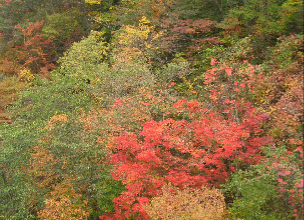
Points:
[(174, 203), (272, 189)]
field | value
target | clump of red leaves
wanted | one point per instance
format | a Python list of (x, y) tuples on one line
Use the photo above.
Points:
[(201, 150)]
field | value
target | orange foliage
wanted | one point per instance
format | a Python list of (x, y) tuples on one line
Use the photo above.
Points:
[(9, 86), (54, 119), (156, 9), (89, 120), (125, 115), (64, 203), (42, 163), (231, 26), (7, 67), (35, 51), (188, 203)]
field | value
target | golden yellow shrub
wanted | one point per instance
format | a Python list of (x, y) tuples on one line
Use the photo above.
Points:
[(174, 204)]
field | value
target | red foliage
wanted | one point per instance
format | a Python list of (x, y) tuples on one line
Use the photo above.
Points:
[(35, 50), (191, 27), (279, 93), (187, 153), (191, 34)]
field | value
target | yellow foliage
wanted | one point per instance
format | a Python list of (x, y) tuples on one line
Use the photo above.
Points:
[(92, 2), (137, 42), (155, 8), (127, 115), (26, 75), (64, 204), (144, 20), (89, 120), (8, 92), (42, 161), (54, 119), (175, 204)]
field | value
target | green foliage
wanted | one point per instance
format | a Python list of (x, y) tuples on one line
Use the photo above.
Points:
[(269, 190), (126, 79), (17, 197), (43, 101), (21, 13), (263, 22), (64, 29), (174, 70), (16, 193), (79, 159), (128, 12), (85, 59), (198, 9), (31, 113), (102, 192), (101, 16), (264, 18), (288, 50), (85, 66), (38, 122), (134, 72), (292, 16)]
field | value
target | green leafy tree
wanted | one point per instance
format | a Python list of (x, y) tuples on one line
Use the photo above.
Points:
[(272, 189), (214, 10), (64, 29), (264, 21)]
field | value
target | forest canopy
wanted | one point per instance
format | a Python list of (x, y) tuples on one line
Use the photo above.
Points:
[(151, 109)]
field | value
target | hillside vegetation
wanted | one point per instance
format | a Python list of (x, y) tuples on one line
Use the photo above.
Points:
[(151, 109)]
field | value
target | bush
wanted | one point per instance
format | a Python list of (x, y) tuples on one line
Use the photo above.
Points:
[(188, 204), (272, 189)]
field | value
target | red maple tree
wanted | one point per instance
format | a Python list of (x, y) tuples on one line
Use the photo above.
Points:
[(201, 150)]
